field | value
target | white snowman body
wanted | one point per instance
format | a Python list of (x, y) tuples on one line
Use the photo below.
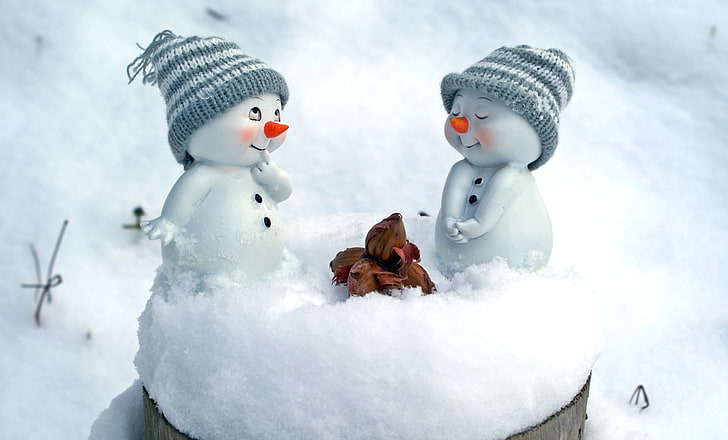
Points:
[(491, 206), (221, 216)]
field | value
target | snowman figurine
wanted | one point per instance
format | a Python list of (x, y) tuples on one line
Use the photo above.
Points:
[(503, 118), (224, 117)]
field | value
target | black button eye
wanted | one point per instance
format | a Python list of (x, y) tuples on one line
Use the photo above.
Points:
[(255, 114), (277, 117)]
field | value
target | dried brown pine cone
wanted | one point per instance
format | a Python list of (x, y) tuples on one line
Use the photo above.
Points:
[(387, 262)]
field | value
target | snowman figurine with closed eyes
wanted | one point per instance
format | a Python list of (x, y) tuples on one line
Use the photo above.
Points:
[(503, 117)]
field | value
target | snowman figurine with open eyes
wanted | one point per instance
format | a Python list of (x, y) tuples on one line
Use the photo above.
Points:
[(222, 210), (224, 117), (503, 119)]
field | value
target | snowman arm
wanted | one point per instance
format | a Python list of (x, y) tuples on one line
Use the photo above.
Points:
[(183, 199), (282, 189), (455, 191), (502, 189), (269, 174), (159, 228)]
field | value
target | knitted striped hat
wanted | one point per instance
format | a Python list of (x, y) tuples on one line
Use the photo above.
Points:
[(535, 83), (201, 78)]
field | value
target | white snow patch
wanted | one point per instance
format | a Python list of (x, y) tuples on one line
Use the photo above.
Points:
[(493, 352), (635, 190)]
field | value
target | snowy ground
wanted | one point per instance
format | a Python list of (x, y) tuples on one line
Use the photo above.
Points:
[(635, 189)]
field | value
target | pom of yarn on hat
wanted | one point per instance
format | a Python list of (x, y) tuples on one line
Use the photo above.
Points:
[(535, 83), (201, 78)]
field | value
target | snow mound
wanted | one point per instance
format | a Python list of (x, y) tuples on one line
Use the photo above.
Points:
[(123, 419), (493, 352)]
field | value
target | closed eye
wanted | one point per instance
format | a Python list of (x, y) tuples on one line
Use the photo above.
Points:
[(481, 117)]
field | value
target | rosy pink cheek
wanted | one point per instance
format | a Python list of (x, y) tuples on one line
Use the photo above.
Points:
[(247, 134), (484, 137)]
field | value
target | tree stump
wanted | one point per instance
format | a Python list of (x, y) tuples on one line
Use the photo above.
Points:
[(566, 424), (156, 426)]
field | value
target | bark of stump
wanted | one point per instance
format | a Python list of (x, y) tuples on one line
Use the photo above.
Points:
[(566, 424), (156, 426)]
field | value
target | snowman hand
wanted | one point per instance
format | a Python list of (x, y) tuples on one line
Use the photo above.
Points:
[(159, 228), (452, 232), (469, 228), (268, 173)]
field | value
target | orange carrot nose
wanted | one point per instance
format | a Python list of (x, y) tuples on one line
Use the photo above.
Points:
[(459, 124), (274, 129)]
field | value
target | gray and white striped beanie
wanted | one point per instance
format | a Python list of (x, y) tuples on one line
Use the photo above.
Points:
[(535, 83), (201, 78)]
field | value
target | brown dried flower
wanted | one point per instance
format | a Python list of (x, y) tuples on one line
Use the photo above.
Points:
[(387, 262)]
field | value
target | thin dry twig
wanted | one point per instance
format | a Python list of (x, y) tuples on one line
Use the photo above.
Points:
[(215, 14), (52, 280), (640, 390), (38, 274), (138, 214)]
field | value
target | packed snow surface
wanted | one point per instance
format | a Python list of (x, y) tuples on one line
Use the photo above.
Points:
[(490, 354), (636, 189)]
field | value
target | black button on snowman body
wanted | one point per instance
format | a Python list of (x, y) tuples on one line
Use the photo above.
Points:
[(266, 220), (473, 199)]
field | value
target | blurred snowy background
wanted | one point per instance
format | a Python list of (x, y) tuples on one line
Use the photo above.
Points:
[(636, 189)]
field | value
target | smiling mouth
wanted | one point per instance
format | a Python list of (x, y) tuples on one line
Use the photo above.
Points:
[(259, 149), (471, 146)]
